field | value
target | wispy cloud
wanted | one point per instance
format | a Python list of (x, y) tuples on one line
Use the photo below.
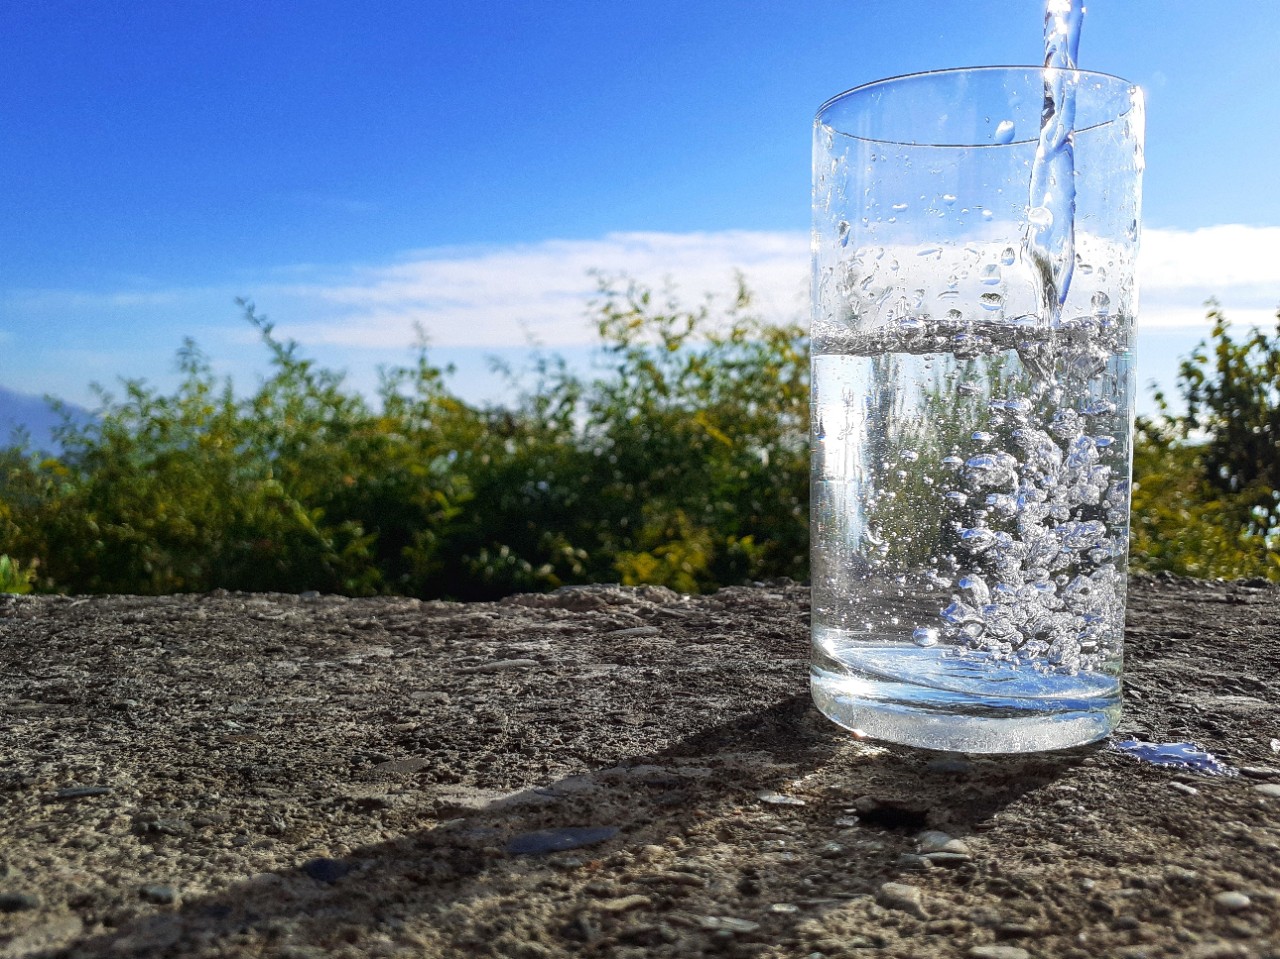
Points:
[(506, 295), (1236, 265), (490, 298)]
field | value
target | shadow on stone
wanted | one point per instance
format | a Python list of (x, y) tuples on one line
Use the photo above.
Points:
[(709, 782)]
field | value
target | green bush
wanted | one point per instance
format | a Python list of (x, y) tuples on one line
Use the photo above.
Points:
[(13, 578), (683, 463), (680, 460), (1206, 500)]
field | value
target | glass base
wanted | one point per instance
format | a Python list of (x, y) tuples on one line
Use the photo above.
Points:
[(918, 698)]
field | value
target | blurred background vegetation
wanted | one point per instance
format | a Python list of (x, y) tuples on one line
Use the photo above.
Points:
[(682, 461)]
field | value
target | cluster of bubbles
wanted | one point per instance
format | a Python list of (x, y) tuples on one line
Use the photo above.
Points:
[(1044, 522)]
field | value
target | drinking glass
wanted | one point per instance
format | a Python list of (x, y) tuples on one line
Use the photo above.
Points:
[(974, 297)]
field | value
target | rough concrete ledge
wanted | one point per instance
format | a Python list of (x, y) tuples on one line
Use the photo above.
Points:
[(601, 772)]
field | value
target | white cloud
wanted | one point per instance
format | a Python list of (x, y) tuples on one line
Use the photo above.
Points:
[(1237, 265), (500, 296), (356, 317)]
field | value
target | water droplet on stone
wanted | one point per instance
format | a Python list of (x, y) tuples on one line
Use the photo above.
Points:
[(899, 207), (991, 301), (1007, 256), (1004, 132), (1180, 755)]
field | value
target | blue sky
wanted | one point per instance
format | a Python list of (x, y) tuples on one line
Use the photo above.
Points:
[(359, 168)]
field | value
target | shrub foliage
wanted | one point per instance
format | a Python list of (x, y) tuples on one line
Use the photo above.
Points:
[(1206, 499), (680, 460)]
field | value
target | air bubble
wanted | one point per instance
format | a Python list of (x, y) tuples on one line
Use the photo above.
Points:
[(925, 636), (1040, 216), (1007, 257), (991, 301), (958, 613), (977, 540), (975, 590)]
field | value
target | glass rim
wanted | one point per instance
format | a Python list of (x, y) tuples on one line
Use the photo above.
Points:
[(951, 71)]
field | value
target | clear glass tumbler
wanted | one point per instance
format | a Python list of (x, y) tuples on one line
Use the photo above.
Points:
[(974, 298)]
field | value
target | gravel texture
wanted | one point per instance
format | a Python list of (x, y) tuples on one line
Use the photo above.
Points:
[(602, 772)]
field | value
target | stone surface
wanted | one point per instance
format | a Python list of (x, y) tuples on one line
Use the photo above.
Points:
[(314, 776)]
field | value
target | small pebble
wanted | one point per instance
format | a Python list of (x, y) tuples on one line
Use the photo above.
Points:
[(931, 840), (728, 923), (947, 858), (634, 631), (778, 799), (159, 893), (1184, 788), (163, 827), (1015, 930), (1260, 772), (998, 952), (1270, 790), (785, 908), (898, 895), (913, 863), (17, 902), (1231, 901), (625, 903), (847, 821), (81, 792)]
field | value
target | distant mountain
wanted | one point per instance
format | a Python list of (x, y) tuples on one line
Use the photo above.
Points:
[(35, 415)]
